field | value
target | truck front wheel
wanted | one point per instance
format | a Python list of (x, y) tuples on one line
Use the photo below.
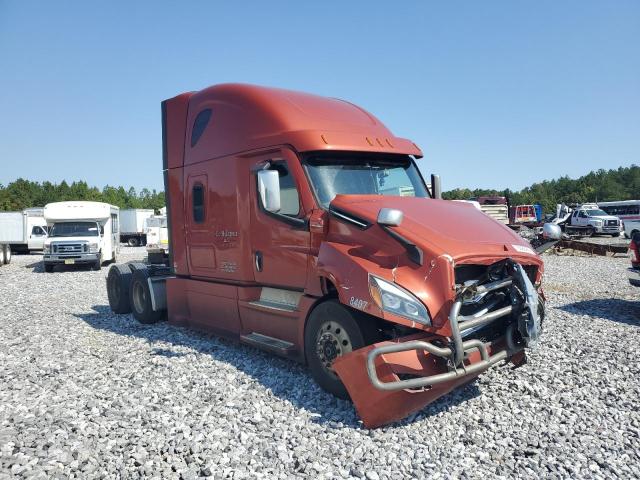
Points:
[(7, 254), (332, 331), (98, 263), (140, 298), (133, 242)]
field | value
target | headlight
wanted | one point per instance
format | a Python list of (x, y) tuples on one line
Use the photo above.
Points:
[(597, 223), (46, 249), (93, 247), (396, 300)]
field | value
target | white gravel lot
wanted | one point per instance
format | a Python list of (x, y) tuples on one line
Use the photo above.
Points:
[(85, 393)]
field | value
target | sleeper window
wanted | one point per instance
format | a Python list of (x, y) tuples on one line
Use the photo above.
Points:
[(197, 196), (199, 125)]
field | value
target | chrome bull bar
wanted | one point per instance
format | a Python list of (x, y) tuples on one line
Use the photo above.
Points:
[(456, 373), (455, 354)]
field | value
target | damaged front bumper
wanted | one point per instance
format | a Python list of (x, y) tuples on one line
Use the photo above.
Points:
[(404, 375)]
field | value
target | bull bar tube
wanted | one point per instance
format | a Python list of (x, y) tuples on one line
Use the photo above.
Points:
[(457, 353)]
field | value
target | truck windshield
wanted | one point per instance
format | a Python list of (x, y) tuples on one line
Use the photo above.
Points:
[(358, 174), (74, 229), (596, 213)]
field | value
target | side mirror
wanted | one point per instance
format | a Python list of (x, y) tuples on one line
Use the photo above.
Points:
[(551, 231), (269, 189), (390, 217), (436, 186)]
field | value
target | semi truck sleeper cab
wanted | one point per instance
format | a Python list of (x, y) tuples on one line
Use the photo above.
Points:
[(301, 225)]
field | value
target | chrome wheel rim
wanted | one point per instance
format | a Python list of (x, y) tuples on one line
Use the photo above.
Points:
[(332, 341), (139, 297)]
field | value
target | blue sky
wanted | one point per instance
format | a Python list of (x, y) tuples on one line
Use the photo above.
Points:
[(497, 93)]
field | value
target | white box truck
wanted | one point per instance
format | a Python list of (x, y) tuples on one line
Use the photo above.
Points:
[(81, 233), (23, 231), (11, 230), (132, 221), (157, 239)]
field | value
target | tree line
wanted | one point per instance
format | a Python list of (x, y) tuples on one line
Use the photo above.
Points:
[(23, 194), (601, 185), (597, 186)]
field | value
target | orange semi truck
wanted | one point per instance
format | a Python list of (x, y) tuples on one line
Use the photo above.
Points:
[(301, 225)]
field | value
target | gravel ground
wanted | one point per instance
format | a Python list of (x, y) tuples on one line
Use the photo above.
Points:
[(85, 393)]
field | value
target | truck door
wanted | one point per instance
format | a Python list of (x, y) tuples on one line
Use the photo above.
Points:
[(280, 241), (36, 238), (583, 218), (200, 248)]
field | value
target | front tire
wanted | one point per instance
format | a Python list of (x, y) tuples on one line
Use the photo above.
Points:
[(133, 242), (332, 331), (98, 263), (140, 298), (7, 254)]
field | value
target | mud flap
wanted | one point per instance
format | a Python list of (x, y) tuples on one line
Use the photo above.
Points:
[(380, 407)]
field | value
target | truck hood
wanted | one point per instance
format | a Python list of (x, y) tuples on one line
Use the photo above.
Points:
[(457, 229), (604, 217)]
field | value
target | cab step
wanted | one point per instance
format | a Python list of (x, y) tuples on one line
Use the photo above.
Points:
[(264, 342)]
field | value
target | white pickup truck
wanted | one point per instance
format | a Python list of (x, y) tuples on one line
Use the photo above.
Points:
[(589, 219)]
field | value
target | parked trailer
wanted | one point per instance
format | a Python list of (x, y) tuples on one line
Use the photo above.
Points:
[(132, 222), (496, 207), (11, 231), (157, 239), (23, 231), (281, 238)]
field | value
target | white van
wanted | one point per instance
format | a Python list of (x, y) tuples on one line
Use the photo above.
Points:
[(81, 233)]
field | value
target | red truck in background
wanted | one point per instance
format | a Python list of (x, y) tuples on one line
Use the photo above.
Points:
[(301, 225)]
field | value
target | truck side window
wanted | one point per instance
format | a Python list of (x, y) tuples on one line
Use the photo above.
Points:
[(37, 231), (289, 198), (199, 124), (197, 196)]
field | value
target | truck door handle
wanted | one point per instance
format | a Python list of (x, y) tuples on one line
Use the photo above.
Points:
[(258, 261)]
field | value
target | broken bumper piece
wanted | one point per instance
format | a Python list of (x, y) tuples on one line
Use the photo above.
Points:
[(390, 380)]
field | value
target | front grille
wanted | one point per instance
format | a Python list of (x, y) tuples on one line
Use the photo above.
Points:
[(612, 223), (69, 248)]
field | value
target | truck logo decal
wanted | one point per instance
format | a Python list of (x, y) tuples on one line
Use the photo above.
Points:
[(358, 303), (229, 267), (227, 236)]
